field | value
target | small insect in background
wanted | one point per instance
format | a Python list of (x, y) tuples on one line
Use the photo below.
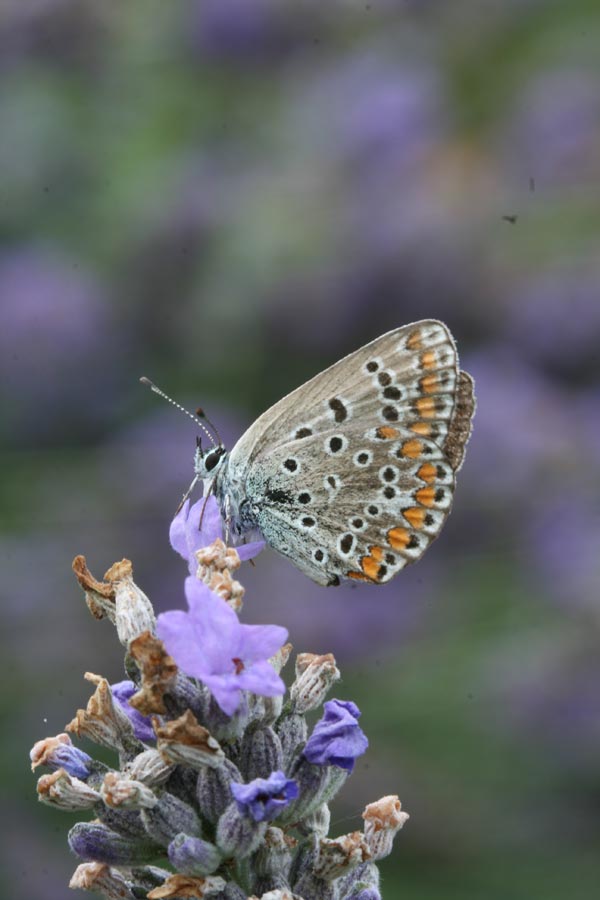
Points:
[(351, 475)]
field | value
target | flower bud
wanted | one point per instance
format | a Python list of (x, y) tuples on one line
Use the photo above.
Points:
[(213, 789), (383, 820), (101, 879), (104, 722), (60, 753), (149, 767), (126, 822), (227, 728), (292, 731), (122, 692), (271, 862), (95, 842), (315, 676), (337, 857), (316, 822), (99, 596), (261, 753), (144, 878), (177, 886), (63, 791), (238, 835), (119, 792), (362, 882), (367, 893), (312, 782), (193, 856), (306, 884), (169, 817), (133, 610), (185, 741), (159, 674)]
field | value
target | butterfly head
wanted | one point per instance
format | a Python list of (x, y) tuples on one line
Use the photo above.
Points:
[(207, 464)]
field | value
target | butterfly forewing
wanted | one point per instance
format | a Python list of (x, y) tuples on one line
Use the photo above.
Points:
[(352, 474)]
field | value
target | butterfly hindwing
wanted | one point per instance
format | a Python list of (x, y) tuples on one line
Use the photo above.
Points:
[(383, 429), (363, 512)]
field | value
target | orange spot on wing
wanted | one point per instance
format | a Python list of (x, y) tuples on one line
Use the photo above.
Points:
[(422, 428), (413, 342), (426, 495), (415, 515), (426, 407), (398, 537), (427, 472), (413, 448), (430, 384), (358, 576), (370, 567), (387, 433), (376, 553), (428, 359)]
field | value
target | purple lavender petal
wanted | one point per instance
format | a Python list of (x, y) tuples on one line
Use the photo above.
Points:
[(249, 551), (71, 759), (178, 531), (215, 627), (263, 798), (210, 644), (262, 641), (225, 688), (185, 534), (261, 678), (142, 726), (337, 739)]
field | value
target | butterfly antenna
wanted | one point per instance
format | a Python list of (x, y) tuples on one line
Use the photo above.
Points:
[(202, 415), (178, 406)]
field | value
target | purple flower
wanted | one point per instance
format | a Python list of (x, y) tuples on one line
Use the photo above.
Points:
[(187, 534), (337, 739), (59, 753), (211, 644), (264, 798), (142, 727)]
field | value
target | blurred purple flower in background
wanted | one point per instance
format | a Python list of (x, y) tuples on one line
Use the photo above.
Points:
[(380, 115), (524, 426), (555, 318), (556, 127), (241, 32), (55, 355), (562, 544)]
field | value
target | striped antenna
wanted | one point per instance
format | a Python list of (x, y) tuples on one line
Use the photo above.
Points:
[(181, 408)]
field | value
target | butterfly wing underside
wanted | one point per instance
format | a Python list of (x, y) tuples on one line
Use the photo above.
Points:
[(352, 474)]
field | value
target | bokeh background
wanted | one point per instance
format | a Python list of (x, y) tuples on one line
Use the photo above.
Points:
[(228, 196)]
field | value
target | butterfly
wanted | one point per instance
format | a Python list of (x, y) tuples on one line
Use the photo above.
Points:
[(352, 475)]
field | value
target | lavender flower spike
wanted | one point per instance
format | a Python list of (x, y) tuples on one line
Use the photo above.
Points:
[(210, 643), (337, 739), (264, 798), (203, 796), (187, 537)]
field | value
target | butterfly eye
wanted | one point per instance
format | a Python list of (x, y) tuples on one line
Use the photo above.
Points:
[(213, 458)]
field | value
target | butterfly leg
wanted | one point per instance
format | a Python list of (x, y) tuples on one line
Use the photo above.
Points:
[(187, 493)]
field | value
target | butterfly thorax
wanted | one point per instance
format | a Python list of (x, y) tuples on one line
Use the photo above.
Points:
[(213, 469)]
